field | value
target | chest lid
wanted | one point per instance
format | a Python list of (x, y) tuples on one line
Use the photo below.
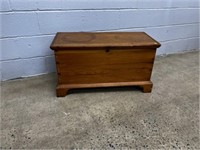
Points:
[(66, 40)]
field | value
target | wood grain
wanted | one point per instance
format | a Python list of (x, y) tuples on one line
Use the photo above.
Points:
[(96, 66), (103, 59), (102, 39)]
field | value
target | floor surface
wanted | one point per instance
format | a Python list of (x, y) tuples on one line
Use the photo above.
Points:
[(32, 117)]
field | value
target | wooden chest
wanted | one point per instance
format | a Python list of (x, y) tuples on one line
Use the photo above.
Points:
[(104, 59)]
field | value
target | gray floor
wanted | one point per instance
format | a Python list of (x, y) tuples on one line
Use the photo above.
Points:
[(105, 118)]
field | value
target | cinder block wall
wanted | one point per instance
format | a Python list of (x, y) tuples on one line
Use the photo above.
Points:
[(28, 27)]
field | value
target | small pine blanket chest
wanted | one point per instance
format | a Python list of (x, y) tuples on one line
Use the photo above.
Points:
[(103, 59)]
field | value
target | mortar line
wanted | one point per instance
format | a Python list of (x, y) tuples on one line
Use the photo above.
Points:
[(97, 9)]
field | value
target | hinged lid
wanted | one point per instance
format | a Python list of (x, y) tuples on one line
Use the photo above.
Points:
[(66, 40)]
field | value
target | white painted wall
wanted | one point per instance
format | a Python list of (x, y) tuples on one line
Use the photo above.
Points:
[(28, 27)]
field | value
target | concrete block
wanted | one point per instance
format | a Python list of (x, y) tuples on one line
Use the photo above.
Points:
[(109, 20), (142, 18), (167, 33), (71, 4), (9, 49), (182, 16), (24, 4), (19, 24), (177, 32), (26, 47), (181, 45), (168, 4), (50, 63), (27, 67), (4, 5), (101, 20), (23, 68), (150, 18), (184, 3), (50, 4), (98, 4), (145, 4), (34, 66), (52, 22), (12, 69)]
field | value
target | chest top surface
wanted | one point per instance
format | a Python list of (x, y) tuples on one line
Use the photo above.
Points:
[(66, 40)]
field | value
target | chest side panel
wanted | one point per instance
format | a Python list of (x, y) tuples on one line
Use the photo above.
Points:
[(103, 66)]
